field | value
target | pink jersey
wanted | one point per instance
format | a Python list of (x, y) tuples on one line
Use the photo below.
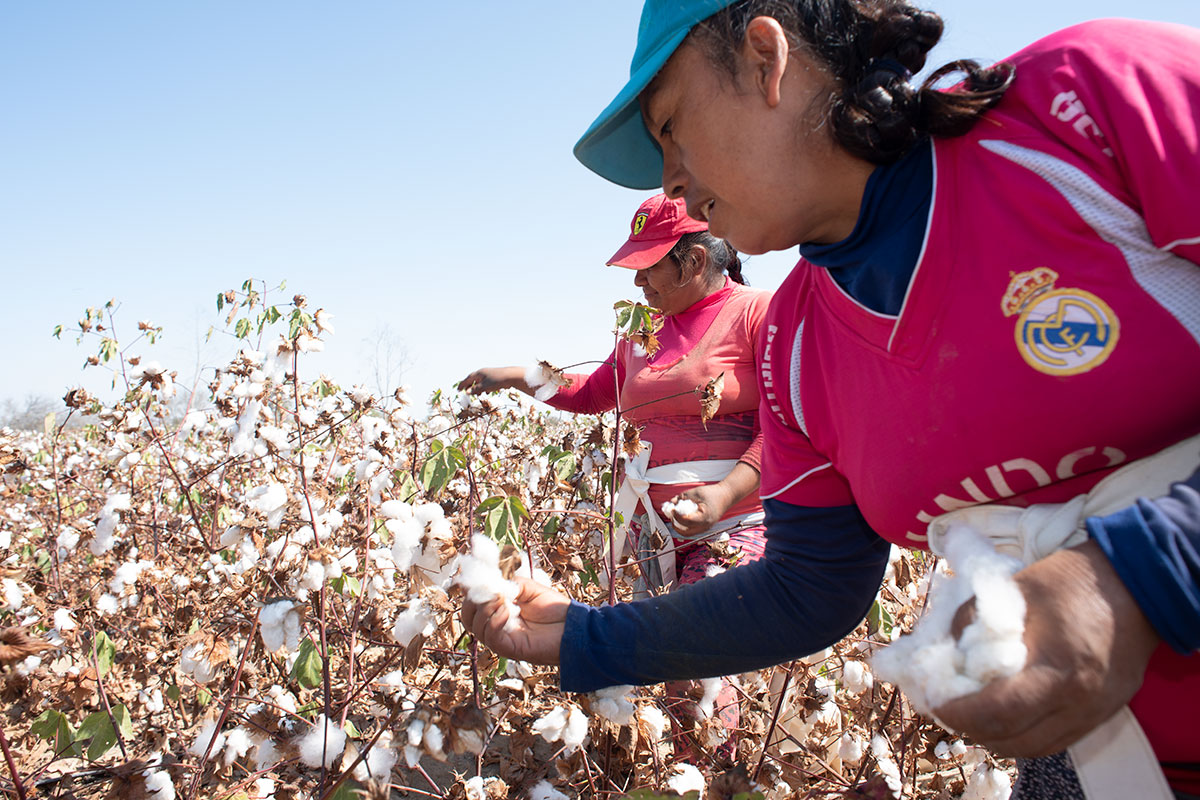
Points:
[(1050, 332), (718, 334)]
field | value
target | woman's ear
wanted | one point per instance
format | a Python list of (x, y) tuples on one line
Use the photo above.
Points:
[(765, 49)]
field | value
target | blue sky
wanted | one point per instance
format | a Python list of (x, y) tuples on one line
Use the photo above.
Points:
[(405, 165)]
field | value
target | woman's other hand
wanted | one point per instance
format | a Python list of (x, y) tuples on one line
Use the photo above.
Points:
[(1089, 644), (712, 501), (494, 379), (536, 635)]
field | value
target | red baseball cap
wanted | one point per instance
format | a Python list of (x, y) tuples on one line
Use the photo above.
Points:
[(658, 224)]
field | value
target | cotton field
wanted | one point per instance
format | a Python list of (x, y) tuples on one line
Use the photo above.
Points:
[(257, 597)]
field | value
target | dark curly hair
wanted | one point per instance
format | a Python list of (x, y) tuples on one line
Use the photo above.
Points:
[(722, 258), (871, 48)]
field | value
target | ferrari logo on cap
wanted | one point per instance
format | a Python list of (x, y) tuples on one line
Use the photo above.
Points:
[(639, 222)]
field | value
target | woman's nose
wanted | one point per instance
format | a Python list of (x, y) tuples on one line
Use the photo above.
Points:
[(674, 178), (639, 278)]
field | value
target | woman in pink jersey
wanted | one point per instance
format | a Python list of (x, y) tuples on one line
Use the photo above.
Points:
[(710, 327), (998, 307)]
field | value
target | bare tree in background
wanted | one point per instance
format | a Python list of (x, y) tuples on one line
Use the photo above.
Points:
[(27, 414), (390, 359)]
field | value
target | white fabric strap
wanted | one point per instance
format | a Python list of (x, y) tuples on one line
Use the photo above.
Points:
[(636, 487), (1115, 761)]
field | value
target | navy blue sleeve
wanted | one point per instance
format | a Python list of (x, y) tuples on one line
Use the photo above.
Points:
[(815, 583), (1154, 545)]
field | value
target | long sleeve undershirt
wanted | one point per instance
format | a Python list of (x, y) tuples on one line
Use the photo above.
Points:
[(813, 586)]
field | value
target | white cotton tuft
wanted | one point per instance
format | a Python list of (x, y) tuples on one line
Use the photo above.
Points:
[(929, 664), (479, 573), (684, 508), (686, 778), (987, 783), (379, 761), (193, 662), (237, 744), (544, 790), (850, 748), (564, 723), (614, 704), (856, 677), (106, 526), (653, 720), (323, 738), (416, 620), (159, 785), (712, 688), (279, 626), (264, 789), (14, 598), (208, 733)]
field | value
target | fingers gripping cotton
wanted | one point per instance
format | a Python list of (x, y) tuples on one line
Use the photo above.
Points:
[(479, 574), (929, 664)]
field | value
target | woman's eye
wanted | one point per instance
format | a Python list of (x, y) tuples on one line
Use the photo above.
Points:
[(665, 130)]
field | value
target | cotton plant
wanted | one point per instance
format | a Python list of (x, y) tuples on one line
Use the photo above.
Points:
[(545, 379), (686, 778), (108, 525), (930, 665), (565, 723), (321, 744), (279, 626), (479, 574), (613, 704)]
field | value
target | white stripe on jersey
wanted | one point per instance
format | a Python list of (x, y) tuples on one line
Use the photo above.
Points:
[(1174, 282)]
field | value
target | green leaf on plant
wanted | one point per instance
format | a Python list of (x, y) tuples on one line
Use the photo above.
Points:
[(53, 725), (879, 619), (173, 693), (203, 697), (98, 729), (350, 790), (346, 584), (501, 517), (106, 653), (307, 669), (242, 329), (408, 489), (352, 730), (441, 466)]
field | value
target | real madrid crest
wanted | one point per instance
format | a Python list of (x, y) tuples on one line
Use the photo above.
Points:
[(1059, 331)]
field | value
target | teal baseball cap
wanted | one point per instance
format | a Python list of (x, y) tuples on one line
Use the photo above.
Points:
[(617, 146)]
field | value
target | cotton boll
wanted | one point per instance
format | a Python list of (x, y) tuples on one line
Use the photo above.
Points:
[(407, 536), (987, 783), (264, 789), (379, 760), (550, 726), (323, 738), (712, 687), (653, 721), (850, 748), (237, 744), (575, 734), (544, 790), (279, 626), (416, 620), (193, 662), (686, 778), (159, 785), (614, 704), (856, 677), (208, 733), (14, 598), (106, 604), (434, 741)]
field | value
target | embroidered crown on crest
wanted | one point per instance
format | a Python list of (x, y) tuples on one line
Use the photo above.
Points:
[(1024, 286)]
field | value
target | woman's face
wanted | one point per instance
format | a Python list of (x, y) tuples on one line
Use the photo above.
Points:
[(666, 287), (750, 155)]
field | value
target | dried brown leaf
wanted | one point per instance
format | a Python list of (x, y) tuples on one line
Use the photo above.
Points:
[(710, 398)]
